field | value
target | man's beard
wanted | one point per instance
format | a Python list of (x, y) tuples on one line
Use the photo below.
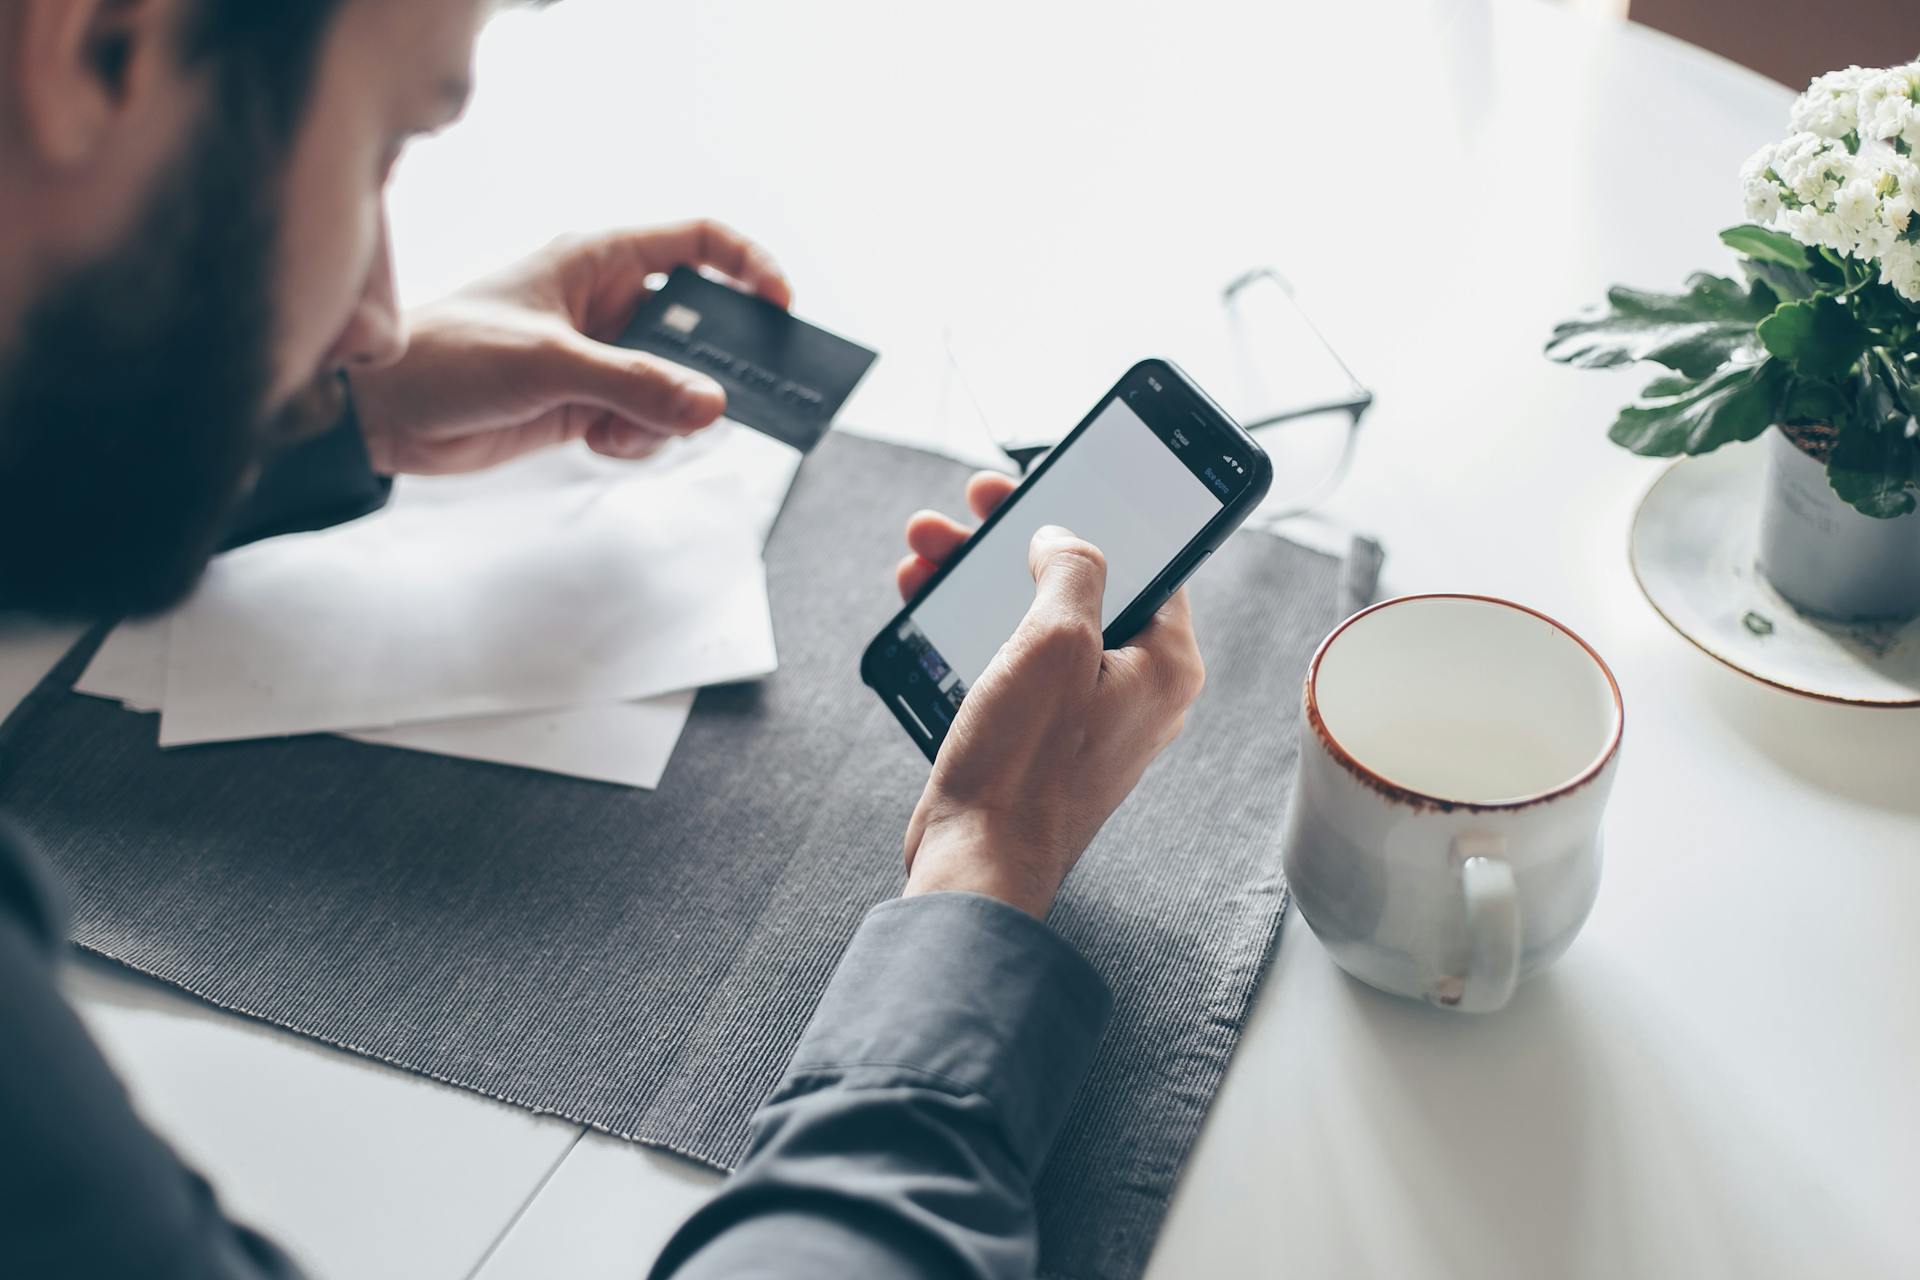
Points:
[(132, 402)]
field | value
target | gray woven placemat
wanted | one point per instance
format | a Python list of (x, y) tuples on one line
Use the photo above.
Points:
[(644, 962)]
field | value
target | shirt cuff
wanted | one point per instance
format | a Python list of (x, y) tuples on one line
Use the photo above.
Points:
[(963, 992), (316, 484)]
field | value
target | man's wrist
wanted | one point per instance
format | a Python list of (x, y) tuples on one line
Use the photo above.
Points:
[(973, 861)]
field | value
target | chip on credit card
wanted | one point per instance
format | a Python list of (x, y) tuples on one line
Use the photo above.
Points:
[(782, 376)]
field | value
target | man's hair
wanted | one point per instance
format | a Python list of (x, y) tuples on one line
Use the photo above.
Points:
[(263, 54), (266, 52)]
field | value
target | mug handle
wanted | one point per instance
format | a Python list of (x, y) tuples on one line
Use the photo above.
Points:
[(1493, 922)]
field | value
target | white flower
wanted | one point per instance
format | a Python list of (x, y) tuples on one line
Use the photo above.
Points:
[(1856, 224), (1809, 167), (1762, 191), (1899, 186), (1763, 201), (1806, 224), (1900, 268), (1831, 105), (1854, 195), (1889, 105), (1905, 171), (1896, 211)]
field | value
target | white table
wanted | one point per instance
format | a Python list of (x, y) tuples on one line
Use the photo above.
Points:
[(1717, 1081)]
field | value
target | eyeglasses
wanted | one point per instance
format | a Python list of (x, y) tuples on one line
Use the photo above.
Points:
[(1312, 443), (1276, 356)]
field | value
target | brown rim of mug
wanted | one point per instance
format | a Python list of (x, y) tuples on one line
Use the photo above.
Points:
[(1420, 799)]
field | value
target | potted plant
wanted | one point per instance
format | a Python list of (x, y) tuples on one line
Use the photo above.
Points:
[(1820, 340)]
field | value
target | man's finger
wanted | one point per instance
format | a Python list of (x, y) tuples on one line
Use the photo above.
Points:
[(615, 437), (1169, 632), (912, 573), (1177, 612), (986, 490), (935, 536), (642, 389), (699, 243), (1165, 654)]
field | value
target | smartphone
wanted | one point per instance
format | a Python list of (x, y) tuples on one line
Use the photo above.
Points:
[(1156, 475)]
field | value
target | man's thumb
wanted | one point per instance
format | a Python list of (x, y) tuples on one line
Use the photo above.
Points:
[(1069, 574), (639, 387)]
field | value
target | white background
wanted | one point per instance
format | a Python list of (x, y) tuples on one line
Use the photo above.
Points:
[(1718, 1079)]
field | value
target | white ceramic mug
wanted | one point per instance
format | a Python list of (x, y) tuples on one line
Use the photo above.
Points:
[(1444, 836)]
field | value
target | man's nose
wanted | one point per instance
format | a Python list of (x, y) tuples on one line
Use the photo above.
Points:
[(377, 333)]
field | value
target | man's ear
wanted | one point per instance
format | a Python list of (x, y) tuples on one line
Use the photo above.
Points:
[(82, 67)]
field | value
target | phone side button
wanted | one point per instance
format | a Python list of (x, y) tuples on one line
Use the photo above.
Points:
[(1204, 557)]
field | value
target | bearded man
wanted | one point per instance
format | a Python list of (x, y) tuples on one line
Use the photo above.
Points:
[(200, 345)]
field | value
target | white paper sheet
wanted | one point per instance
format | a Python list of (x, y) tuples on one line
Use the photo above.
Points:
[(563, 580), (130, 666), (629, 743)]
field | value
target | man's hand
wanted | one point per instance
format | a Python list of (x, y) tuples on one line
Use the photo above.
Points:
[(521, 361), (1055, 732)]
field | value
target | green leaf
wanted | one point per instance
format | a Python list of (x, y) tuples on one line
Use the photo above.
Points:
[(1671, 384), (1786, 282), (1809, 400), (1693, 333), (1818, 337), (1875, 466), (1826, 271), (1879, 308), (1902, 385), (1763, 245), (1736, 403)]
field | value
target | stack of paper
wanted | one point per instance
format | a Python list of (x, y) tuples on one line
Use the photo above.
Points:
[(556, 613)]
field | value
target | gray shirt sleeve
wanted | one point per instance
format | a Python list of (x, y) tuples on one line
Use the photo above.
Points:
[(906, 1135), (86, 1189), (903, 1140)]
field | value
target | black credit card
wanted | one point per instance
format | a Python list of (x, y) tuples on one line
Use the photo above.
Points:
[(782, 376)]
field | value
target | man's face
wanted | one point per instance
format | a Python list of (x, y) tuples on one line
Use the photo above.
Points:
[(152, 365), (392, 70)]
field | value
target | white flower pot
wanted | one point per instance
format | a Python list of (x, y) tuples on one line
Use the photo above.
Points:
[(1824, 557)]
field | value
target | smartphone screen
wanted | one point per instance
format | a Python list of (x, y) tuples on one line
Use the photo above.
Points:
[(1155, 477)]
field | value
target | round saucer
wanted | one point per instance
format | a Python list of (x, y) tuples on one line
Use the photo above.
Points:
[(1693, 553)]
